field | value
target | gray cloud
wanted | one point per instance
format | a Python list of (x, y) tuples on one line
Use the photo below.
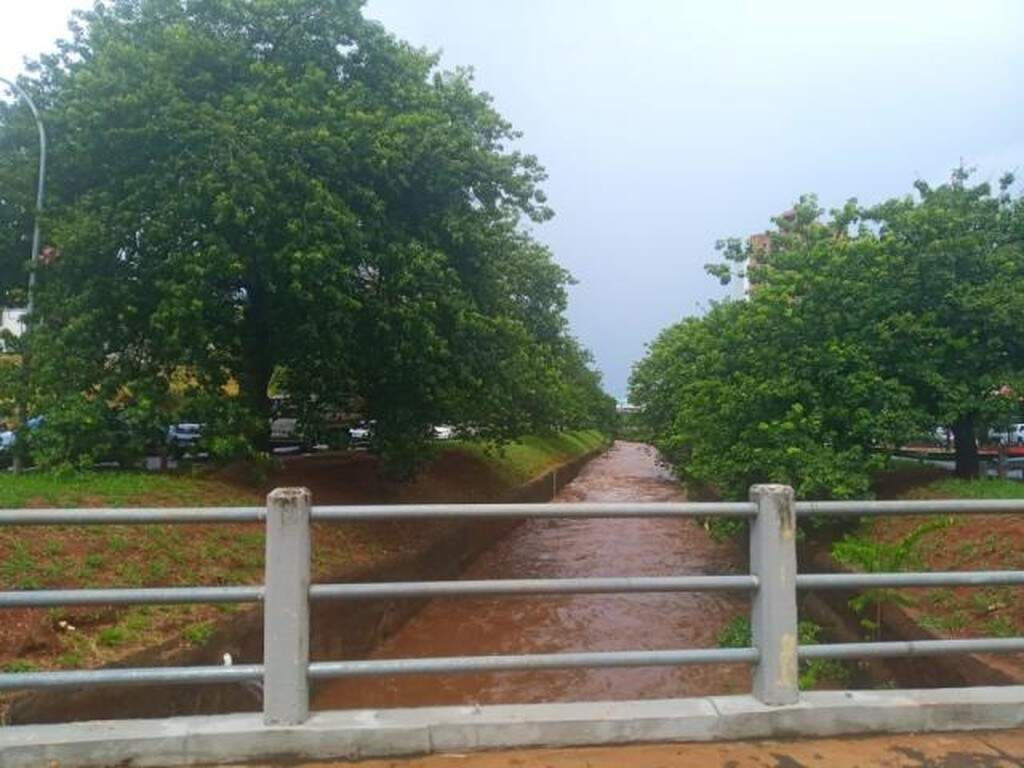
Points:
[(666, 125)]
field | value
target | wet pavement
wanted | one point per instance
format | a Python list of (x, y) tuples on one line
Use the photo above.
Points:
[(989, 749), (549, 624)]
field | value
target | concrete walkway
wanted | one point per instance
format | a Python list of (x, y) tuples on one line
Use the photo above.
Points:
[(983, 749)]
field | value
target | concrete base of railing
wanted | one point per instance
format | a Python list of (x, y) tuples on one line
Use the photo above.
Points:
[(363, 733)]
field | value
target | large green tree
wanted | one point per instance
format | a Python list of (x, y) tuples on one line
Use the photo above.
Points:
[(954, 272), (858, 332), (255, 189)]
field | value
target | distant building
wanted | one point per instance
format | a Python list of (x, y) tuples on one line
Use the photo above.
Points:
[(628, 408), (12, 321), (759, 248)]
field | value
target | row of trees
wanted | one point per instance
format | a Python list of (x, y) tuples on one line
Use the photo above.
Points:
[(280, 190), (860, 331)]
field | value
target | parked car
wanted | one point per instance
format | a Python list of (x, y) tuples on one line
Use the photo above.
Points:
[(185, 434), (9, 437), (361, 434), (284, 430), (444, 432), (1012, 435)]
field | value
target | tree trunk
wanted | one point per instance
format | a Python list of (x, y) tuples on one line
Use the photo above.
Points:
[(259, 363), (967, 462), (254, 389)]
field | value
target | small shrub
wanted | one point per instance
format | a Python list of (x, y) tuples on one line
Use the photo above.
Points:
[(737, 634), (1000, 626), (130, 574), (865, 553), (136, 621), (951, 623), (70, 660), (722, 529), (55, 569), (989, 600), (199, 634), (19, 567), (53, 547), (94, 561), (156, 570), (941, 597), (111, 637)]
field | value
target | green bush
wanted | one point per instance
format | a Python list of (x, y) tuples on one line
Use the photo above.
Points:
[(737, 634), (862, 551), (199, 634)]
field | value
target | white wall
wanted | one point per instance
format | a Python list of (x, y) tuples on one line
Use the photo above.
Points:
[(11, 320)]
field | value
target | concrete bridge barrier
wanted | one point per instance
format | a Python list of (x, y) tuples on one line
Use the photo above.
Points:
[(286, 728)]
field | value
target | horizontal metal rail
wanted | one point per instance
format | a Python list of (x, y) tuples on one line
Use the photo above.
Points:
[(14, 681), (508, 587), (288, 513), (504, 511), (141, 516), (933, 579), (44, 598), (147, 516), (321, 670), (911, 648), (922, 507)]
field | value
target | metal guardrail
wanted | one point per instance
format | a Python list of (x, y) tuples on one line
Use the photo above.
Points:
[(287, 592)]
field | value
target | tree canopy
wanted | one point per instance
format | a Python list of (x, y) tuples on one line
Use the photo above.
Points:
[(859, 332), (248, 191)]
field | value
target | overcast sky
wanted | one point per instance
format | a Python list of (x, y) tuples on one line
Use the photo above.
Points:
[(665, 125)]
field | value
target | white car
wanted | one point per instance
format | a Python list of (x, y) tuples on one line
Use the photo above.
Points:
[(360, 434), (444, 432), (1012, 435), (185, 434)]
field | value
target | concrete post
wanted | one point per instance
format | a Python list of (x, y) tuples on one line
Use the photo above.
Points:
[(286, 608), (773, 616)]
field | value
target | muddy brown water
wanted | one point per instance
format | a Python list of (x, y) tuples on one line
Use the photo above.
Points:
[(549, 624)]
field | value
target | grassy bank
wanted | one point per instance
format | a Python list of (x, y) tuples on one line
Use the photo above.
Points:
[(119, 489), (525, 459), (514, 463), (944, 543), (186, 555)]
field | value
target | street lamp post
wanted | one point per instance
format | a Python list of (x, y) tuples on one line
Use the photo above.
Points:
[(40, 191)]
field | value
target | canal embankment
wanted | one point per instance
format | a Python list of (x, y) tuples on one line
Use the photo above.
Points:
[(530, 471)]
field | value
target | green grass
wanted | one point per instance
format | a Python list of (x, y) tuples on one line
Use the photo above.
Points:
[(111, 489), (112, 637), (529, 457), (517, 462), (954, 488), (1000, 626), (199, 634)]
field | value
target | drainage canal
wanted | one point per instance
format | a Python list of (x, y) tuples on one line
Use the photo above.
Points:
[(549, 624)]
